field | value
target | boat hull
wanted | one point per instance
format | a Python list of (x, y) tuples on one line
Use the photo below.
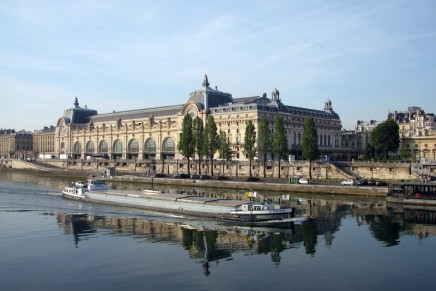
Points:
[(180, 206), (255, 216), (70, 196), (410, 201)]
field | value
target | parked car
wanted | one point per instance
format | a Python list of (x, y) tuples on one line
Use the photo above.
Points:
[(158, 175), (303, 181), (181, 176), (371, 182), (362, 182), (348, 182), (222, 178), (205, 177), (195, 176), (253, 179), (380, 183)]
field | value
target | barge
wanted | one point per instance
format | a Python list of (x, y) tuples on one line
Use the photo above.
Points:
[(412, 193), (224, 209)]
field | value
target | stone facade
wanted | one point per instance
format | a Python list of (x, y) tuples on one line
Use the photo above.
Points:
[(153, 133), (15, 144), (44, 141), (417, 133)]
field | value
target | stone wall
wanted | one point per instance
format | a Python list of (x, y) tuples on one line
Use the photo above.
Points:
[(322, 171)]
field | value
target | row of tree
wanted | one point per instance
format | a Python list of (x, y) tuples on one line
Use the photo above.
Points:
[(204, 141)]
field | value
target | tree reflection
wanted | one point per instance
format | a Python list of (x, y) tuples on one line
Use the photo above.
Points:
[(383, 229), (309, 232)]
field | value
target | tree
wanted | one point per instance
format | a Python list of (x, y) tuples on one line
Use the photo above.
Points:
[(310, 143), (210, 140), (386, 137), (186, 146), (223, 146), (198, 132), (264, 142), (249, 146), (279, 140)]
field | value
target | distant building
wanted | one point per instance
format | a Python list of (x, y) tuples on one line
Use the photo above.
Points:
[(356, 141), (44, 141), (14, 145), (417, 132)]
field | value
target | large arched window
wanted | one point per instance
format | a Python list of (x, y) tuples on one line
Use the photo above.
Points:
[(102, 148), (77, 150), (117, 150), (132, 150), (133, 146), (89, 147), (169, 145), (149, 149), (117, 147), (168, 148), (150, 146)]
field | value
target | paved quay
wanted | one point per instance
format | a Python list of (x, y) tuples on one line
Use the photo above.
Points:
[(275, 186)]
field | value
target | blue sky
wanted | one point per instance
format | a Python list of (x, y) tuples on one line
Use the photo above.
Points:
[(368, 57)]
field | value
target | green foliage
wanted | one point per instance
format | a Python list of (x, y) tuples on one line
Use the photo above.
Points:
[(223, 145), (264, 142), (310, 143), (279, 141), (197, 134), (249, 147), (310, 140), (386, 137), (210, 139), (186, 146)]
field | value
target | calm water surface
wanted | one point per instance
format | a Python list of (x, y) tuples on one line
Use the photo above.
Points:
[(49, 243)]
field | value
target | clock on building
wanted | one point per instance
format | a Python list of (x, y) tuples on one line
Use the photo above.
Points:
[(193, 113)]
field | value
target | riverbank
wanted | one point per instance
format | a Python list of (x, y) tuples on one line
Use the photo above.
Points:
[(277, 185)]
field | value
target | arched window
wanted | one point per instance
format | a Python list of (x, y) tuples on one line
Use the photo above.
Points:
[(102, 148), (89, 147), (77, 148), (150, 146), (168, 149), (117, 147), (133, 146)]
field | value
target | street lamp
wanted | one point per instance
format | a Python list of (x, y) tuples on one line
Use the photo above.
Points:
[(372, 168)]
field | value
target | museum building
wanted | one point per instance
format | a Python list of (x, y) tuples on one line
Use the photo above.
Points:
[(153, 133)]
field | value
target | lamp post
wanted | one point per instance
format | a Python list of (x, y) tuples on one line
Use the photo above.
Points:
[(372, 168)]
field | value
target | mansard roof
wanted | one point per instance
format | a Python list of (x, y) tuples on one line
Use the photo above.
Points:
[(138, 113), (210, 98), (78, 114)]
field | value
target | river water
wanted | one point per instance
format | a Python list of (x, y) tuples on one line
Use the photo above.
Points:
[(49, 243)]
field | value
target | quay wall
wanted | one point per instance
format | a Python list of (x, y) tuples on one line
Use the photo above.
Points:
[(236, 169)]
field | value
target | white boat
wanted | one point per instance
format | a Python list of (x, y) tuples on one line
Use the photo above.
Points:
[(261, 211), (74, 192)]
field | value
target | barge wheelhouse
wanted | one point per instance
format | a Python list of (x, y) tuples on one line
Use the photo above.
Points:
[(412, 193)]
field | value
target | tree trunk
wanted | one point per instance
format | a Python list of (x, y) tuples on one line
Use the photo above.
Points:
[(211, 165), (310, 169), (189, 168), (279, 166), (264, 163), (250, 166)]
